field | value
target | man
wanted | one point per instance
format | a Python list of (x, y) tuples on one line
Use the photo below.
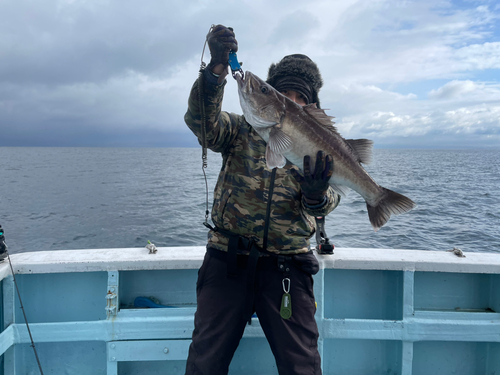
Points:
[(258, 257)]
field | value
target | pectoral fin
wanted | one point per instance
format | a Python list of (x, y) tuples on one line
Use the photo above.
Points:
[(274, 159), (278, 143)]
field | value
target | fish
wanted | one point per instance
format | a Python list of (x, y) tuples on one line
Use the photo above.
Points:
[(292, 131)]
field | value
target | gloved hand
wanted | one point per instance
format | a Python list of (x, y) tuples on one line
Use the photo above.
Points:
[(221, 40), (315, 185)]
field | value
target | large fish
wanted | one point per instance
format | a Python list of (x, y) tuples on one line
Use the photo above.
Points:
[(292, 131)]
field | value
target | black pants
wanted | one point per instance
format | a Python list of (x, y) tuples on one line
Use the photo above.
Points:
[(222, 315)]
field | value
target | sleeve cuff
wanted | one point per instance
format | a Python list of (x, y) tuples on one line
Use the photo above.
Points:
[(316, 206), (210, 77)]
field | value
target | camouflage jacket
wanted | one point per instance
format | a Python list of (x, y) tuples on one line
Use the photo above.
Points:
[(241, 193)]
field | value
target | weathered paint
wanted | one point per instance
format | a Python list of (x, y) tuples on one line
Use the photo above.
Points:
[(112, 295), (379, 311)]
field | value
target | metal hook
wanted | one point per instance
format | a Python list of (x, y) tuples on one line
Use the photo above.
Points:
[(286, 290), (235, 65)]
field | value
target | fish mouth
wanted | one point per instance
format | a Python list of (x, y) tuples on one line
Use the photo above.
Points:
[(240, 80), (246, 82)]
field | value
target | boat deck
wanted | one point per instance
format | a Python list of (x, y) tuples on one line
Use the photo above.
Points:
[(379, 311)]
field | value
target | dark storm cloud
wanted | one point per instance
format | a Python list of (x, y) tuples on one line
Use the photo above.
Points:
[(76, 135), (53, 42), (74, 72)]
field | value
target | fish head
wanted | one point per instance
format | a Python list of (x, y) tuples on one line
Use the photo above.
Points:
[(262, 105)]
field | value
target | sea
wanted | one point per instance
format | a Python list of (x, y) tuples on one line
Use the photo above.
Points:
[(95, 198)]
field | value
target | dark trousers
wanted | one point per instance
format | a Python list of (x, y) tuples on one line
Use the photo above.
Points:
[(223, 313)]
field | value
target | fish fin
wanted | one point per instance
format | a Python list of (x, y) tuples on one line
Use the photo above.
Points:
[(274, 159), (321, 116), (392, 203), (342, 190), (279, 142), (362, 148)]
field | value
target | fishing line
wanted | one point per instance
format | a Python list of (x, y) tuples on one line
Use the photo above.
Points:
[(3, 247), (203, 120), (235, 68)]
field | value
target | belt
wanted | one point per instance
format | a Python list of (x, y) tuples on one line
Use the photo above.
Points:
[(239, 243)]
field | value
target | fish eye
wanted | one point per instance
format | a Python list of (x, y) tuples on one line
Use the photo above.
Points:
[(264, 89)]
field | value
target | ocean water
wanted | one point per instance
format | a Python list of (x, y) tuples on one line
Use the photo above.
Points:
[(87, 198)]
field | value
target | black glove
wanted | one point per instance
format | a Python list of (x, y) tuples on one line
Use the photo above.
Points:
[(315, 185), (221, 40)]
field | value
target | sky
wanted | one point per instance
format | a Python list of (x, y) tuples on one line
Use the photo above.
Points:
[(106, 73)]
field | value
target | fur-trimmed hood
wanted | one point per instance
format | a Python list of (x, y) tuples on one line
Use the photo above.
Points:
[(299, 66)]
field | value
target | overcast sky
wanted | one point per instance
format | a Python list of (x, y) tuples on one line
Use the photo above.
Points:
[(422, 73)]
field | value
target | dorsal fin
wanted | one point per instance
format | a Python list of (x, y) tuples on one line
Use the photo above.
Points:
[(321, 116), (362, 148)]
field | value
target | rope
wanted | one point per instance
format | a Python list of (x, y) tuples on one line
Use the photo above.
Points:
[(4, 246), (203, 120)]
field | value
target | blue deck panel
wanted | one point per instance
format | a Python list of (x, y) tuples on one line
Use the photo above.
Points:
[(353, 356), (85, 357), (455, 291), (364, 294), (70, 297), (371, 321), (152, 368), (437, 358), (176, 287)]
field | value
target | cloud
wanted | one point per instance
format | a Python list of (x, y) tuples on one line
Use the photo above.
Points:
[(58, 42), (294, 29), (131, 103), (454, 89), (478, 56), (77, 70), (390, 41), (467, 92), (461, 113)]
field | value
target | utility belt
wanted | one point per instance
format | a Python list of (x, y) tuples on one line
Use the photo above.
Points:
[(245, 252)]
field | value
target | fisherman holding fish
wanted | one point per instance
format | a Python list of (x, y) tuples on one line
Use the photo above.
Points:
[(258, 257), (277, 175)]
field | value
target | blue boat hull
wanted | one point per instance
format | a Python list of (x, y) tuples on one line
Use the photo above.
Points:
[(379, 312)]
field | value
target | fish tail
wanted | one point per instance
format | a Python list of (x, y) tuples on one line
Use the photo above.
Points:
[(392, 203)]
